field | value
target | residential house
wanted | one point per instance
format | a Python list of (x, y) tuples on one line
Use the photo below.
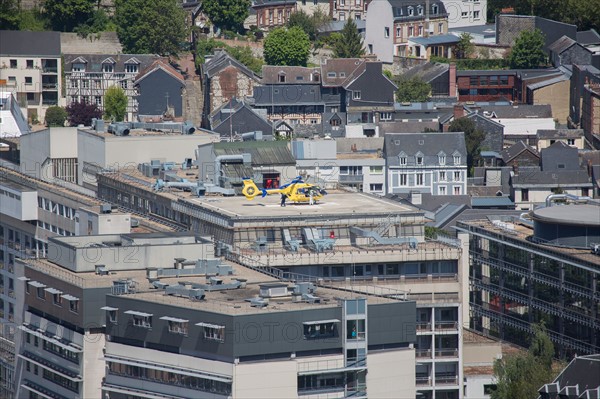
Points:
[(161, 89), (392, 23), (224, 77), (579, 378), (235, 118), (88, 76), (548, 90), (369, 100), (312, 6), (335, 74), (437, 75), (470, 13), (509, 27), (275, 75), (521, 122), (590, 114), (494, 131), (434, 163), (520, 154), (293, 103), (571, 137), (559, 171), (483, 85), (31, 69), (273, 13), (567, 51), (341, 10)]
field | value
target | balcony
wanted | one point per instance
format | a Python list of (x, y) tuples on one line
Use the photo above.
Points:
[(423, 353), (50, 102), (49, 69), (446, 325), (446, 379), (49, 86), (423, 381), (351, 178), (446, 352), (424, 326)]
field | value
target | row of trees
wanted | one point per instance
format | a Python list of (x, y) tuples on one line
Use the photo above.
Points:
[(81, 113)]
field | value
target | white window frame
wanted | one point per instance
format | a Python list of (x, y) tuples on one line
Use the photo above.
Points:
[(356, 94), (442, 175), (442, 159), (386, 31), (457, 190), (456, 176), (442, 190), (403, 179), (385, 116), (421, 177), (456, 159), (214, 333), (403, 161), (142, 321)]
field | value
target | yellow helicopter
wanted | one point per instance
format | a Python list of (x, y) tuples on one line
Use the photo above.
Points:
[(296, 191)]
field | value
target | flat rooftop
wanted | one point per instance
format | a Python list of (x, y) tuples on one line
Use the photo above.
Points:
[(232, 301), (334, 203), (176, 131)]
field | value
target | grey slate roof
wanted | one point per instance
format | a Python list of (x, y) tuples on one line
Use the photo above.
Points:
[(264, 153), (560, 156), (428, 144), (559, 133), (24, 43), (293, 74), (400, 9), (579, 376), (287, 95), (533, 176), (515, 150), (520, 111), (221, 60), (428, 71), (94, 62), (588, 37), (238, 117), (561, 44), (336, 71), (435, 40)]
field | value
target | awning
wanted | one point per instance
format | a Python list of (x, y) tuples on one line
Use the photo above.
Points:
[(70, 297), (55, 341), (175, 319), (39, 393), (77, 378), (36, 284), (109, 308), (53, 290), (202, 324), (312, 323), (136, 313), (23, 278)]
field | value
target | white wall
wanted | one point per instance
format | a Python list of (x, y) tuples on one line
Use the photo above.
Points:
[(379, 16), (109, 223), (37, 147), (525, 125), (476, 12), (272, 379), (391, 374), (93, 365), (12, 121)]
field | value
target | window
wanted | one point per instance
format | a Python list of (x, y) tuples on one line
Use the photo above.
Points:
[(112, 316), (410, 31), (74, 306), (434, 9), (376, 170), (57, 299), (30, 97), (420, 30), (351, 170), (124, 84), (402, 160), (131, 68), (357, 3), (525, 194), (28, 80), (74, 84), (411, 11), (442, 190), (442, 159), (281, 78), (386, 116), (85, 84), (142, 321), (178, 327), (504, 80), (357, 17), (41, 293), (419, 159), (78, 67), (356, 94), (342, 3), (420, 10), (386, 32), (398, 31), (440, 27), (456, 176), (29, 64), (13, 64), (215, 333), (442, 175), (98, 100), (279, 15), (378, 187), (316, 330), (107, 68), (403, 179), (476, 14), (420, 181), (571, 141), (456, 160), (342, 15), (457, 190), (464, 14)]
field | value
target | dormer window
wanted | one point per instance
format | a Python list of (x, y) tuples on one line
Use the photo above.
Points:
[(107, 68), (434, 9), (403, 160), (411, 11), (316, 77), (456, 159), (419, 159), (420, 10), (442, 159), (79, 67), (131, 68), (281, 78)]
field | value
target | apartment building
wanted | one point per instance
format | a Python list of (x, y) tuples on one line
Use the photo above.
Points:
[(350, 241), (341, 10), (538, 268), (32, 212), (61, 338), (31, 69), (88, 76)]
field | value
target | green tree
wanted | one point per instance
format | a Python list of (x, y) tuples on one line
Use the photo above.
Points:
[(115, 103), (244, 55), (98, 22), (528, 51), (33, 20), (150, 27), (56, 116), (349, 45), (304, 22), (287, 47), (473, 139), (9, 14), (465, 47), (521, 375), (227, 14), (66, 15), (412, 90)]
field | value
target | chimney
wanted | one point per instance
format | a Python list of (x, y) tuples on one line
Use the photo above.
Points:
[(415, 198), (452, 80), (459, 111)]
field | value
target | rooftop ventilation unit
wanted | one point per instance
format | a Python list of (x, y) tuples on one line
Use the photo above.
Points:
[(123, 287), (119, 129), (102, 270), (258, 302), (273, 290), (182, 290)]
